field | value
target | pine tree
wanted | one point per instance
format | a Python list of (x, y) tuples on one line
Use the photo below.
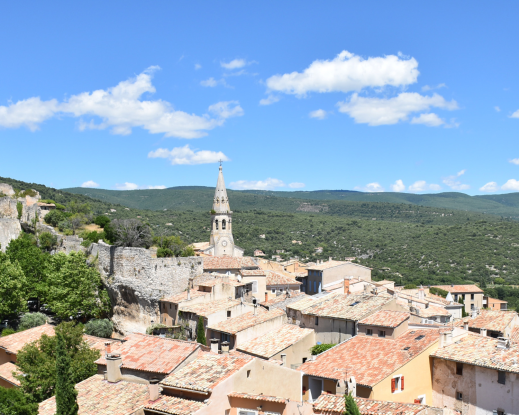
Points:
[(350, 406), (200, 332), (66, 394), (463, 312)]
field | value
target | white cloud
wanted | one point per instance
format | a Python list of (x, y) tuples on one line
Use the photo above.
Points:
[(381, 111), (455, 184), (429, 87), (489, 187), (371, 187), (319, 114), (269, 100), (197, 66), (211, 82), (497, 108), (296, 185), (515, 114), (268, 184), (185, 155), (226, 109), (418, 186), (347, 72), (126, 186), (90, 183), (399, 186), (120, 109), (511, 184), (235, 64), (514, 161), (156, 187), (430, 119), (435, 187)]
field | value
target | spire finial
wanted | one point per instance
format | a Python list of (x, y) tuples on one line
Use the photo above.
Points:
[(221, 161)]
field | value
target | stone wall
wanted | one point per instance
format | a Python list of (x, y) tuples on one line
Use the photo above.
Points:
[(9, 229), (136, 282)]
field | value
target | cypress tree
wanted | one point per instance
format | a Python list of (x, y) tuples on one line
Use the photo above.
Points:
[(200, 332), (66, 394), (350, 406)]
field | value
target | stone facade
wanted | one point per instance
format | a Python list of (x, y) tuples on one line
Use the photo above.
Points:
[(9, 230), (136, 282)]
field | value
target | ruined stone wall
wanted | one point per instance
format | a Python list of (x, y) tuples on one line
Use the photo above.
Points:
[(136, 282), (9, 229)]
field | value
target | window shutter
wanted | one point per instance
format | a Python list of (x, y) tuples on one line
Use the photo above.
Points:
[(393, 385), (417, 401), (402, 383)]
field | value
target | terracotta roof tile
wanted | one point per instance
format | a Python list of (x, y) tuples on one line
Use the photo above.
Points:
[(460, 289), (328, 404), (277, 278), (433, 311), (253, 272), (206, 309), (385, 318), (6, 373), (175, 406), (253, 397), (481, 351), (97, 342), (276, 299), (349, 307), (151, 353), (309, 301), (496, 301), (275, 341), (370, 359), (177, 298), (247, 320), (326, 265), (493, 320), (205, 372), (514, 335), (229, 263), (14, 342)]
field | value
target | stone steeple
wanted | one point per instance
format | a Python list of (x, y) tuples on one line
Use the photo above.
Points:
[(221, 201)]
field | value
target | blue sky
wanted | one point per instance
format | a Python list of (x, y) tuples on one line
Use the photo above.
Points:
[(402, 96)]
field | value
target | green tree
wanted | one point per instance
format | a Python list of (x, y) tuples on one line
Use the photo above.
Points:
[(54, 217), (37, 361), (14, 402), (48, 241), (200, 331), (102, 220), (350, 406), (75, 288), (13, 287), (99, 328), (66, 394), (75, 207), (319, 348), (30, 320), (19, 208), (463, 312)]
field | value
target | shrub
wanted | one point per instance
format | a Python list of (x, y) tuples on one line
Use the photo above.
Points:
[(499, 281), (54, 217), (30, 320), (131, 233), (319, 348), (19, 208), (99, 328), (155, 326), (48, 241), (409, 287), (165, 253), (438, 291), (102, 221), (60, 206), (7, 331)]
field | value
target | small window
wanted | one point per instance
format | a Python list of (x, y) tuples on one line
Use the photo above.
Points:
[(315, 286), (369, 332), (397, 384), (316, 320), (228, 313), (304, 359), (170, 306), (501, 377), (459, 396), (381, 333), (273, 290), (420, 337), (459, 369), (248, 373), (471, 296)]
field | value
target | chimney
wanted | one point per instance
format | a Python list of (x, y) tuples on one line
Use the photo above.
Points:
[(330, 258), (502, 343), (153, 389), (421, 294), (474, 313), (346, 286), (188, 292), (483, 332), (113, 367), (445, 339), (214, 346), (108, 348), (266, 296), (352, 386), (284, 360), (225, 347)]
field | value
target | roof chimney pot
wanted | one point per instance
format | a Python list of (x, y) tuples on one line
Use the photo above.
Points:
[(153, 389)]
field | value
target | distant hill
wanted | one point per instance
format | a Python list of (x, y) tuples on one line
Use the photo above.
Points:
[(200, 198)]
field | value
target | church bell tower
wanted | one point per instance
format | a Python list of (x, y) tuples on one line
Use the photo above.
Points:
[(221, 221)]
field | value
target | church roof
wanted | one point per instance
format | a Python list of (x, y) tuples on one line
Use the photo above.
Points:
[(221, 201)]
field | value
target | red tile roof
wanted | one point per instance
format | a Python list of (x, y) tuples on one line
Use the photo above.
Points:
[(229, 263), (385, 318), (14, 342), (206, 372), (277, 278), (460, 289), (174, 405), (514, 336), (275, 299), (6, 373), (151, 353), (206, 309), (496, 301), (253, 272), (264, 398), (177, 298), (433, 311), (328, 404), (370, 359), (493, 320), (247, 320)]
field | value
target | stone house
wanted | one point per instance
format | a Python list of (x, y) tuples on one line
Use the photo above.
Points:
[(282, 300), (332, 272), (471, 294), (477, 375), (259, 252), (289, 344), (492, 323), (228, 265), (7, 380), (278, 282), (245, 327), (257, 280), (386, 324), (495, 303)]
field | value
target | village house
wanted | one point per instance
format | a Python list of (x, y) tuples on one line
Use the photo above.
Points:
[(228, 265), (289, 344), (295, 309), (477, 375), (427, 307), (491, 323), (256, 279), (279, 282), (387, 324), (282, 300), (471, 294), (258, 252), (495, 303), (7, 379), (332, 272), (245, 327)]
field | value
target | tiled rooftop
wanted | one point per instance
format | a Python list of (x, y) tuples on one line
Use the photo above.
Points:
[(308, 301), (205, 372), (152, 354), (349, 307), (14, 342), (175, 406), (326, 265), (460, 289), (177, 298), (385, 318), (433, 311), (275, 341), (229, 263), (275, 300), (253, 272), (481, 351), (97, 342), (328, 404), (6, 372), (496, 301), (514, 335), (206, 309), (224, 280), (493, 320), (264, 398), (278, 278), (370, 359), (247, 320)]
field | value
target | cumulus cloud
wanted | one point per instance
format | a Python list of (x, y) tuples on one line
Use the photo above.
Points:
[(235, 64), (126, 186), (211, 82), (156, 187), (226, 109), (371, 187), (435, 187), (515, 114), (429, 87), (185, 155), (511, 184), (430, 119), (120, 109), (296, 185), (454, 183), (90, 183), (399, 186), (489, 187), (514, 161), (319, 114), (382, 111), (269, 100), (268, 184), (197, 66), (422, 186), (497, 108), (347, 72)]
